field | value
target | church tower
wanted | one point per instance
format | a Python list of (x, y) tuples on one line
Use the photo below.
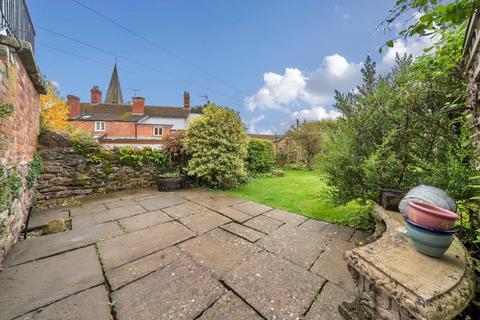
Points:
[(114, 92)]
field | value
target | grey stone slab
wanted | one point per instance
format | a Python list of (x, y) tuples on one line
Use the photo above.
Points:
[(134, 245), (232, 307), (219, 250), (105, 215), (296, 245), (181, 290), (234, 214), (91, 304), (163, 200), (326, 305), (252, 208), (273, 286), (338, 232), (86, 209), (45, 246), (285, 216), (360, 238), (314, 225), (263, 224), (331, 265), (203, 222), (185, 210), (244, 232), (219, 201), (39, 219), (33, 285), (144, 220), (118, 277), (120, 203)]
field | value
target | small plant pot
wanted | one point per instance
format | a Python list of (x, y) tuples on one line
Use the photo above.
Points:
[(431, 216), (429, 242), (171, 183)]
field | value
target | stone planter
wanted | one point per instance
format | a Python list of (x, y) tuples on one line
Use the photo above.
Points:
[(171, 183)]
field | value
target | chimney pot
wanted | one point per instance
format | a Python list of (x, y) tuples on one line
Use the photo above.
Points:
[(74, 103), (138, 105), (95, 95)]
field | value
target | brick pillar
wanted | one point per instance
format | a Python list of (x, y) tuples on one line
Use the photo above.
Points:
[(186, 101), (138, 105), (74, 104), (95, 95)]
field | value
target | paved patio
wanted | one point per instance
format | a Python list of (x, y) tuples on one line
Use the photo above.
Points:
[(191, 254)]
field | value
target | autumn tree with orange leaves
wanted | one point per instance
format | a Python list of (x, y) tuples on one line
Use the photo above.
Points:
[(54, 111)]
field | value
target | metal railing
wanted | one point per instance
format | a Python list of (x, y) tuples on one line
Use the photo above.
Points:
[(15, 20)]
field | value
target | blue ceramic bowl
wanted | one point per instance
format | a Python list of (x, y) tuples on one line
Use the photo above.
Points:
[(428, 241)]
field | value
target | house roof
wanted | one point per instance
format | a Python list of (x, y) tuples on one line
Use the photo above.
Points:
[(114, 92), (270, 137)]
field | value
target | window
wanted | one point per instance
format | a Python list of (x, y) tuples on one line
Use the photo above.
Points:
[(99, 126), (157, 131)]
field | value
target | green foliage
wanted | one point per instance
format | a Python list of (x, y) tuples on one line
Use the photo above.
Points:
[(10, 185), (6, 110), (139, 156), (34, 171), (260, 156), (281, 158), (174, 148), (15, 184), (432, 16), (399, 130), (217, 145), (83, 142)]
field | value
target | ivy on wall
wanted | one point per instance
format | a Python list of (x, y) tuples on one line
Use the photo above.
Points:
[(34, 171), (6, 110)]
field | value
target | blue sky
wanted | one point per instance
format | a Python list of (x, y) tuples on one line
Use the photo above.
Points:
[(277, 60)]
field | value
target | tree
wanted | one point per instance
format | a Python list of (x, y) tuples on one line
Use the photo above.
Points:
[(217, 145), (54, 111), (260, 156), (309, 137)]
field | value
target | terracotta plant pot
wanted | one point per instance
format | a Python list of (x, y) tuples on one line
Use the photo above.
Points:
[(431, 216), (429, 242), (170, 183)]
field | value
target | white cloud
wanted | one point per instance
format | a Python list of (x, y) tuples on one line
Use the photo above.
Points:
[(315, 113), (401, 47), (252, 124)]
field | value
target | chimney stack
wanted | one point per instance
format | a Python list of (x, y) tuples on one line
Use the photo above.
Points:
[(186, 101), (95, 95), (74, 103), (138, 105)]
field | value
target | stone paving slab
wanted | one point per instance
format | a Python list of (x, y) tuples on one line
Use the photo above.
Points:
[(36, 248), (263, 224), (85, 220), (86, 209), (243, 232), (293, 244), (144, 220), (331, 265), (91, 304), (168, 293), (252, 208), (314, 225), (164, 200), (274, 287), (185, 210), (33, 285), (203, 222), (234, 214), (325, 306), (39, 219), (131, 246), (286, 216), (338, 232), (219, 250), (120, 203), (232, 307), (118, 277)]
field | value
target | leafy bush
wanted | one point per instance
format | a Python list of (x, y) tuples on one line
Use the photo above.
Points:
[(260, 157), (137, 157), (217, 145), (281, 158), (34, 171), (396, 132), (174, 148)]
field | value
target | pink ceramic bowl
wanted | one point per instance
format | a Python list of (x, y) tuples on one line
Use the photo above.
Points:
[(431, 216)]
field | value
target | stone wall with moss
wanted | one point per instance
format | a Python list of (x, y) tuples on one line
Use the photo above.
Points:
[(75, 170)]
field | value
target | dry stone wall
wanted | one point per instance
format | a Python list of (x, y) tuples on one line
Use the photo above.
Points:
[(68, 175)]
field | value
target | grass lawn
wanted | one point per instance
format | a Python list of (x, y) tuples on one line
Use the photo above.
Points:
[(306, 193)]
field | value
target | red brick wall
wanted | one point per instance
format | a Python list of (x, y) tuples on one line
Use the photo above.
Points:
[(18, 141), (112, 128), (146, 131)]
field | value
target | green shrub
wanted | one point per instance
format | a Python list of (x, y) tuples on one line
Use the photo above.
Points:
[(260, 157), (34, 171), (174, 148), (217, 145), (281, 158), (137, 157)]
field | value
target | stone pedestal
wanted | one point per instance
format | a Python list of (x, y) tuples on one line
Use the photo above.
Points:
[(394, 281)]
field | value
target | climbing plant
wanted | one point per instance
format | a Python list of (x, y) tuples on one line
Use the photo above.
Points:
[(34, 171)]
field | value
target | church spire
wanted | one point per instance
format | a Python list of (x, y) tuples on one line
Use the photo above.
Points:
[(114, 92)]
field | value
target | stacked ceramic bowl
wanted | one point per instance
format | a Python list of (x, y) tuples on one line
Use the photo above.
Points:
[(431, 228)]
